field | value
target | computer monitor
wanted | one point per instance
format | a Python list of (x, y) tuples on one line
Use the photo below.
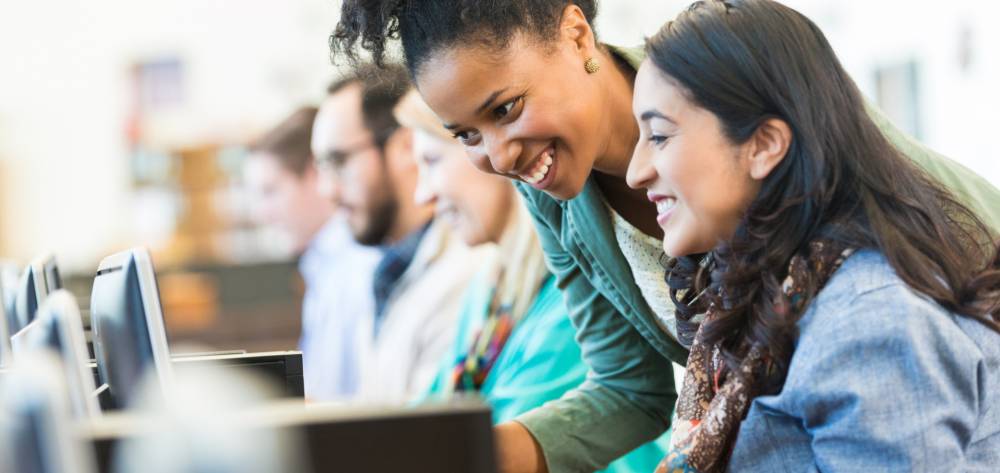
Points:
[(127, 325), (9, 274), (59, 328), (5, 352), (36, 431), (38, 279)]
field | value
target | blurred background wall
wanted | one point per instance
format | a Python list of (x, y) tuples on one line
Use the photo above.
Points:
[(122, 122)]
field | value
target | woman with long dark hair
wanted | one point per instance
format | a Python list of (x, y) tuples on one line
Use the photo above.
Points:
[(842, 307), (533, 95)]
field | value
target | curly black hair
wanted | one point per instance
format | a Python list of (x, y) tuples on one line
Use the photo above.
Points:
[(426, 26)]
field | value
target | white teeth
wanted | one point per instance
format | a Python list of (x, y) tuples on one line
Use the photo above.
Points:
[(665, 205), (540, 171)]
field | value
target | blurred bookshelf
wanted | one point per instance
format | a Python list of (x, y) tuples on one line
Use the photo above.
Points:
[(224, 282)]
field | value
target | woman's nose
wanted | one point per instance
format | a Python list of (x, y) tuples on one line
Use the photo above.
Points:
[(641, 172), (503, 153)]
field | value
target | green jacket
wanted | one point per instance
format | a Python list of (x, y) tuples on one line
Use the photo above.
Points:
[(629, 396)]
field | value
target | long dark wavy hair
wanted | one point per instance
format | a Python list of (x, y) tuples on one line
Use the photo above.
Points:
[(747, 61)]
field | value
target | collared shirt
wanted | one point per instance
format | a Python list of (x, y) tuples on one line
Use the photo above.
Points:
[(337, 273), (395, 259)]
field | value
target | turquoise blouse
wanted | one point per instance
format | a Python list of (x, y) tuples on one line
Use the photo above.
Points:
[(540, 362)]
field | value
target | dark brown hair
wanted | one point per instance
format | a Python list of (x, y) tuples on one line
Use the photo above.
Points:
[(289, 141), (382, 87), (747, 61)]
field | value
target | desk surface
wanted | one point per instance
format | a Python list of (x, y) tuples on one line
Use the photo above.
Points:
[(453, 439)]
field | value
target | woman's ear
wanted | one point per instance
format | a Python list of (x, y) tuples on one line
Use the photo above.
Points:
[(768, 147), (575, 28)]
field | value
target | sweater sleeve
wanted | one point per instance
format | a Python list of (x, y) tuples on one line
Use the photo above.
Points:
[(970, 188), (629, 395)]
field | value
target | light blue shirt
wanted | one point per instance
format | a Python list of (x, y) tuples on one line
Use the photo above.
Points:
[(337, 273), (882, 379)]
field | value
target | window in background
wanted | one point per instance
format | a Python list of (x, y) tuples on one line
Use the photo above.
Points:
[(897, 90)]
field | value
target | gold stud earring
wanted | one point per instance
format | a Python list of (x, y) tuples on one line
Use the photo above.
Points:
[(591, 66)]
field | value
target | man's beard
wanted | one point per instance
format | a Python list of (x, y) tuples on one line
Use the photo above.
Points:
[(380, 221)]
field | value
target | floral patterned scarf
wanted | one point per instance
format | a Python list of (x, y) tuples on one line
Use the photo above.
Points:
[(713, 401)]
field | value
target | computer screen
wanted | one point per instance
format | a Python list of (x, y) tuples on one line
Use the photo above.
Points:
[(36, 434), (5, 326), (29, 291), (9, 274), (127, 325), (58, 328), (39, 279), (53, 281)]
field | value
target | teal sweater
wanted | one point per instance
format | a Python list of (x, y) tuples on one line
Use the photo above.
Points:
[(540, 362)]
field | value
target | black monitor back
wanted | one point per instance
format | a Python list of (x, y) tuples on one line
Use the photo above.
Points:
[(53, 281), (29, 455), (37, 434), (40, 278), (26, 301), (122, 344), (6, 325)]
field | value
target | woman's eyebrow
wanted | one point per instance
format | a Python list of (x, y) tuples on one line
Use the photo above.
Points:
[(651, 114), (489, 100), (486, 104)]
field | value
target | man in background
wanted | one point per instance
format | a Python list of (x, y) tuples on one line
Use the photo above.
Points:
[(281, 173), (365, 154)]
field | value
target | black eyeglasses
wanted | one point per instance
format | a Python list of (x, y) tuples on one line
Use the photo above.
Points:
[(335, 161)]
